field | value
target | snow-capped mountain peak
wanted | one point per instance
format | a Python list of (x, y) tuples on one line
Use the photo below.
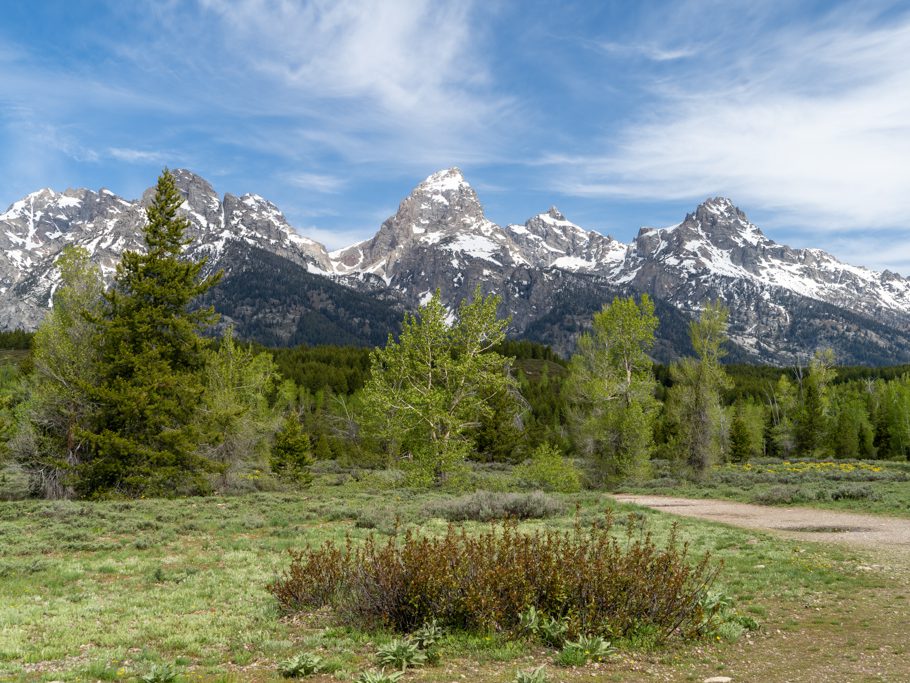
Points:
[(552, 273), (35, 229), (444, 181)]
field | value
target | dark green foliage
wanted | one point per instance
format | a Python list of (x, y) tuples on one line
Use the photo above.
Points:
[(291, 454), (16, 339), (810, 424), (11, 394), (540, 384), (144, 433), (525, 349), (587, 579), (322, 450), (340, 370), (740, 449), (486, 506)]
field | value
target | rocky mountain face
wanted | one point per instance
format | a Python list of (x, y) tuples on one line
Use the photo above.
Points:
[(282, 288), (34, 230)]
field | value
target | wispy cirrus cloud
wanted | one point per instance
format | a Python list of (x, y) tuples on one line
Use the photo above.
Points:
[(813, 124), (400, 81), (316, 182), (139, 155), (648, 50)]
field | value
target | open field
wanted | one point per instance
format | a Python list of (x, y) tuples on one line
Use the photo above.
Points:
[(875, 486), (101, 591)]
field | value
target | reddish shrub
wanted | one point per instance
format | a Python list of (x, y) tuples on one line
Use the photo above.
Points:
[(482, 582)]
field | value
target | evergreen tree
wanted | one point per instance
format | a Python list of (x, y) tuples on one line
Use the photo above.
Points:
[(611, 388), (812, 424), (291, 455), (740, 442), (146, 431), (323, 450)]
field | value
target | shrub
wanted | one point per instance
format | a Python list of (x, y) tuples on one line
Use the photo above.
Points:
[(856, 492), (379, 677), (570, 656), (781, 495), (382, 519), (427, 635), (305, 664), (400, 654), (487, 506), (589, 649), (587, 579), (552, 631), (159, 673), (538, 675), (549, 470)]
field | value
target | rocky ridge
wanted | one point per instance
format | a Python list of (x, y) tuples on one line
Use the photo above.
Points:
[(551, 273)]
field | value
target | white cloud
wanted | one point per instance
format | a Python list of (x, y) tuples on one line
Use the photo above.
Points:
[(336, 238), (316, 182), (649, 50), (138, 156), (812, 125), (389, 80)]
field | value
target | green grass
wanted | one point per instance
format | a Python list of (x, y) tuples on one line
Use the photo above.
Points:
[(873, 486), (13, 355), (106, 590)]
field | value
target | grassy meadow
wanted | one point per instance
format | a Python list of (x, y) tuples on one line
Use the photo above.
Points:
[(107, 590)]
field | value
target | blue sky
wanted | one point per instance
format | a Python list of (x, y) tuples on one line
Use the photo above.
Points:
[(621, 113)]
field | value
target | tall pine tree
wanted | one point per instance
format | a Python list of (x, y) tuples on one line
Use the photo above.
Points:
[(145, 436)]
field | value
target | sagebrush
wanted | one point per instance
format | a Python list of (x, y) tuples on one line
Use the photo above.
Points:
[(591, 580), (488, 506)]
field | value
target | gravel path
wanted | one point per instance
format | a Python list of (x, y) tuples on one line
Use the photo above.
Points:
[(854, 636), (871, 531)]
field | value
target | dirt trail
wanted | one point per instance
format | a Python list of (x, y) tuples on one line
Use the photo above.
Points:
[(854, 636), (830, 526)]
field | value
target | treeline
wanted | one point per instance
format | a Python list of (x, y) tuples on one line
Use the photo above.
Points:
[(16, 339), (125, 396)]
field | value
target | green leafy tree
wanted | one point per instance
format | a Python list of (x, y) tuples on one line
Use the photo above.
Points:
[(49, 443), (235, 416), (695, 397), (890, 403), (146, 432), (783, 402), (611, 388), (429, 392), (11, 395)]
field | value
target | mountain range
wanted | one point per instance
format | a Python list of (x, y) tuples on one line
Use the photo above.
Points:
[(282, 288)]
